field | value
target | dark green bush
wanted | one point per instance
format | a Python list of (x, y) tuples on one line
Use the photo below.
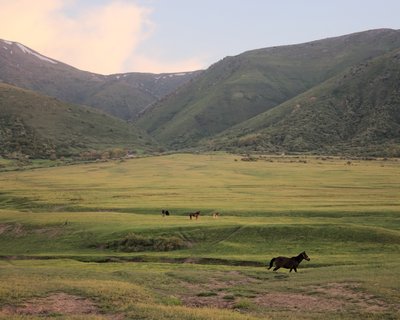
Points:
[(137, 243)]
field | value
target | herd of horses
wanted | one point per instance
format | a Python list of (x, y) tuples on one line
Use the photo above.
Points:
[(192, 215), (278, 262)]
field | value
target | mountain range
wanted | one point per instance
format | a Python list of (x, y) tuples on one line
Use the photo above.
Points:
[(122, 95), (338, 95)]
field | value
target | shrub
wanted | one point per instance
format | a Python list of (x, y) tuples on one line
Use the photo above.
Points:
[(137, 243)]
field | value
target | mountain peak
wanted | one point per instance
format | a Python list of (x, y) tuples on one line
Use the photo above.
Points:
[(11, 47)]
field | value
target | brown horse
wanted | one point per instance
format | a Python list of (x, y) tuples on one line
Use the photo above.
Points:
[(215, 215), (194, 215), (288, 263)]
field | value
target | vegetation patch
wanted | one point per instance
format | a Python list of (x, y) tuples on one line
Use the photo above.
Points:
[(206, 294), (137, 243)]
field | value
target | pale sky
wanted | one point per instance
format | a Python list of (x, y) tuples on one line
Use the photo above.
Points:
[(113, 36)]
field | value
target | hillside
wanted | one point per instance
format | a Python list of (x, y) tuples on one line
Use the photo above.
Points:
[(356, 112), (40, 126), (241, 87), (122, 95)]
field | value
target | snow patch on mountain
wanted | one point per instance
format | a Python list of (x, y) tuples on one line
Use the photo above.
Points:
[(171, 75), (28, 51)]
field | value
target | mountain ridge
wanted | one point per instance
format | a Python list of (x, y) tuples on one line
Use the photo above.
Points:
[(131, 92), (238, 88)]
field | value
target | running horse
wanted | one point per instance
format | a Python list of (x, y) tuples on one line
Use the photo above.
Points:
[(288, 263), (194, 215)]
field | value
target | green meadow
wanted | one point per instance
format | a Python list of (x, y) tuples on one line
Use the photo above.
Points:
[(87, 241)]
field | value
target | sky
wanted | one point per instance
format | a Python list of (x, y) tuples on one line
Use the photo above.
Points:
[(158, 36)]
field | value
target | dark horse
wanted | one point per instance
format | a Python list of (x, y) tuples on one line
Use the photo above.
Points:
[(165, 213), (194, 215), (288, 263)]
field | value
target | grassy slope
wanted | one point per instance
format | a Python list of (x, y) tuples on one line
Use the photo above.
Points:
[(118, 99), (355, 112), (345, 217), (38, 126), (238, 88)]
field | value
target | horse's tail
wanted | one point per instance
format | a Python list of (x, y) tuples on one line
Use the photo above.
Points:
[(271, 263)]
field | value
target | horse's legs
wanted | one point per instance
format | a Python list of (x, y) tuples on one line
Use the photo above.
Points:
[(295, 269), (276, 268)]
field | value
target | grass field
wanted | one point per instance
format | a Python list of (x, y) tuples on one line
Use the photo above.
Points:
[(88, 241)]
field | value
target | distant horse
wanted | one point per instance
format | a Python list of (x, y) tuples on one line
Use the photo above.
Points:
[(288, 263), (215, 215), (194, 215), (165, 213)]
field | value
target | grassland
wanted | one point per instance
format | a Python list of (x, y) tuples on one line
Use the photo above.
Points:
[(58, 224)]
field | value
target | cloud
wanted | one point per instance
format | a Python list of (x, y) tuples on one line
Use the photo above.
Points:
[(101, 38)]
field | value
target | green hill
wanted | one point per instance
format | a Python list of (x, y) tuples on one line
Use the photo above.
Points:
[(40, 126), (241, 87), (356, 112)]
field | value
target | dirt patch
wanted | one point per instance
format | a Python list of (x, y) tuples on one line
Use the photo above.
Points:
[(55, 304), (215, 293), (296, 301), (353, 295), (51, 232), (18, 230), (218, 300), (329, 297), (4, 228), (12, 229)]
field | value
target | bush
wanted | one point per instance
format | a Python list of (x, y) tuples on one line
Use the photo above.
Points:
[(137, 243)]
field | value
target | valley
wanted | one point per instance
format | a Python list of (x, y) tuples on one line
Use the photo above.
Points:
[(280, 150), (92, 235)]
